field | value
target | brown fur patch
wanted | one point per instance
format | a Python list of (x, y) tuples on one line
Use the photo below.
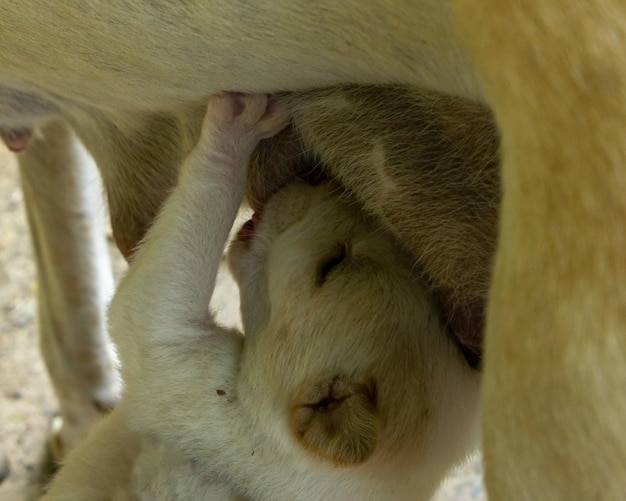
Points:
[(337, 420)]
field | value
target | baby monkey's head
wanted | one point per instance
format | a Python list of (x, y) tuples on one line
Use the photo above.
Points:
[(343, 339)]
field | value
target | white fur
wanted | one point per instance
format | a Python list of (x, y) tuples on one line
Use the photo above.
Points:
[(207, 406)]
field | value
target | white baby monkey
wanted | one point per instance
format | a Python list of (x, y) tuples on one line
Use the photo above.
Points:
[(346, 385)]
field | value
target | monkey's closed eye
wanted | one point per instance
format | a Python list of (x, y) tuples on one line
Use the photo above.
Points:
[(329, 264)]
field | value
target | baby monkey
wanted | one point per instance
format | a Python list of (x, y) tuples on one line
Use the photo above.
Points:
[(345, 386)]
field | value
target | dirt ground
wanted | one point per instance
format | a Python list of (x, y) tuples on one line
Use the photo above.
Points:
[(27, 402)]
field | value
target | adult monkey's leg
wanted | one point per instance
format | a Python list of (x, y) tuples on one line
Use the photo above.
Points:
[(64, 205), (555, 359)]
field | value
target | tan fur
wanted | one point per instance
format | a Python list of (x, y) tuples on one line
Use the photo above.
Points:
[(137, 100), (559, 104), (551, 71)]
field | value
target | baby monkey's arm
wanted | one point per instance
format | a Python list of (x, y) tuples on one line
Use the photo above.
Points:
[(180, 369), (171, 281), (175, 268)]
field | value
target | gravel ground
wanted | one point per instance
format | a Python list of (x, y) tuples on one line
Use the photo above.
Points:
[(27, 401)]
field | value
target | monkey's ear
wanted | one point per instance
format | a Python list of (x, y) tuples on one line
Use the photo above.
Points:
[(337, 419)]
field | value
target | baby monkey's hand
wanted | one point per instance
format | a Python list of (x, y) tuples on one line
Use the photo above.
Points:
[(235, 123)]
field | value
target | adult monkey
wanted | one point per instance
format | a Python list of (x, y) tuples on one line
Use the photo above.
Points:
[(122, 72)]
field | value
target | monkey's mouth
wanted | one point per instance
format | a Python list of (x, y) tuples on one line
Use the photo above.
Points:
[(246, 233), (260, 192), (265, 182), (17, 139)]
